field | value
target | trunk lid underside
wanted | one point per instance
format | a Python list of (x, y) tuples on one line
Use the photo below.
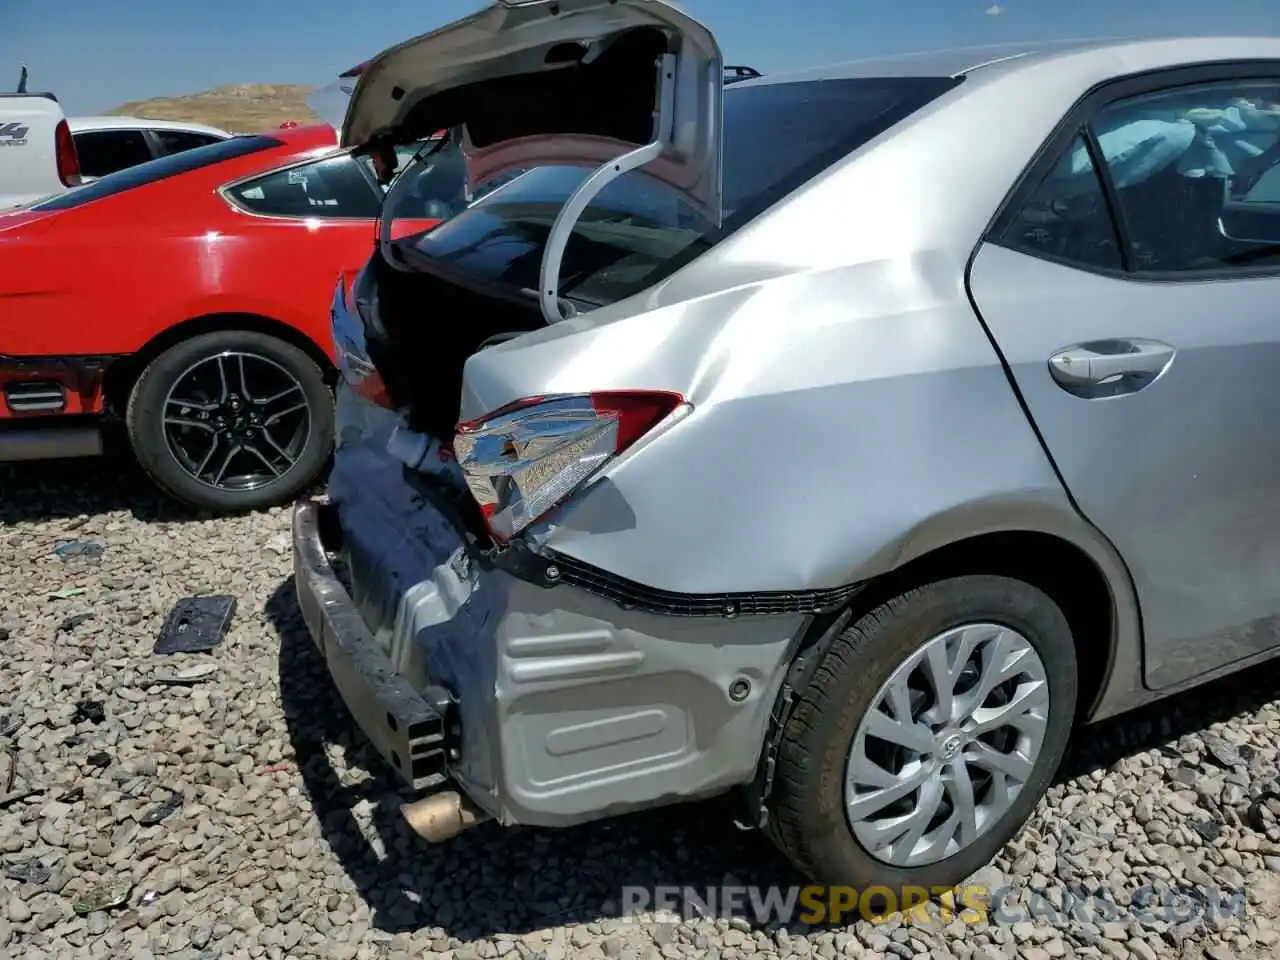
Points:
[(528, 84)]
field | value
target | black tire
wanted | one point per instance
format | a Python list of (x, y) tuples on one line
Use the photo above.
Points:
[(144, 421), (808, 819)]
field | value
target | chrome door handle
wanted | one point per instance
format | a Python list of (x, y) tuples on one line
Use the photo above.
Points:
[(1103, 361)]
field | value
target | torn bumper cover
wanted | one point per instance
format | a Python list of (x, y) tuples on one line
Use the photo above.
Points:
[(546, 705), (403, 726)]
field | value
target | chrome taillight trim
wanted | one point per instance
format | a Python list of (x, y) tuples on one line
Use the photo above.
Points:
[(521, 463)]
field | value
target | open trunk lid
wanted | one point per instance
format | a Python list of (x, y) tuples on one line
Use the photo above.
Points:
[(528, 83), (331, 101)]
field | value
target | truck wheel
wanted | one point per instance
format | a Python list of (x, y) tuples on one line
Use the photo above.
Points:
[(232, 420), (930, 730)]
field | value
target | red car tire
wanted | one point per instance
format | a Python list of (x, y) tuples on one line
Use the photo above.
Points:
[(232, 420)]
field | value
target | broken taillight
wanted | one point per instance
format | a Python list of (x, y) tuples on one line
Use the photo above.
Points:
[(526, 458), (350, 348)]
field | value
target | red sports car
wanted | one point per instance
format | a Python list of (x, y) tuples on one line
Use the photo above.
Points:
[(188, 299)]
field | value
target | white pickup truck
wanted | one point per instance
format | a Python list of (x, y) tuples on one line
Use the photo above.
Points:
[(37, 152), (107, 144), (43, 152)]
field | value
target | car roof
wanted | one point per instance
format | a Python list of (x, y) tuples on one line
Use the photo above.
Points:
[(85, 124), (984, 133), (1013, 57), (312, 136), (317, 139)]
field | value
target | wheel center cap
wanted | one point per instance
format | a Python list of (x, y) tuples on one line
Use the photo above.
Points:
[(949, 747)]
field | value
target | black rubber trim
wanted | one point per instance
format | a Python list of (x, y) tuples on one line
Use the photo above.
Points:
[(1110, 198), (74, 362), (551, 569)]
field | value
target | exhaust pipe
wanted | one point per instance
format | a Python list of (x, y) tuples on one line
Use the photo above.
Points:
[(442, 816)]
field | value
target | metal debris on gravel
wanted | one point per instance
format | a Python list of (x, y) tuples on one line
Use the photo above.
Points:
[(196, 625), (79, 549), (27, 871), (186, 677), (287, 842), (102, 896), (89, 711), (161, 811)]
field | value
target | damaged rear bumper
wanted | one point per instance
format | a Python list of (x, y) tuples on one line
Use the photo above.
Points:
[(405, 727), (546, 705)]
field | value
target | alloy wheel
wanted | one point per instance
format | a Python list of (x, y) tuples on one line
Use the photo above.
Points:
[(949, 741), (236, 421)]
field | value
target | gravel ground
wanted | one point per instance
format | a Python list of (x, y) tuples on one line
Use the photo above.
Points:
[(281, 837)]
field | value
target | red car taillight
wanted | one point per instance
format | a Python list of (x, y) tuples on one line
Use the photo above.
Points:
[(350, 349), (523, 460), (67, 158)]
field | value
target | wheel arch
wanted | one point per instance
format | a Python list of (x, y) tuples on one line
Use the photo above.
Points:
[(123, 374), (1067, 572), (1068, 560)]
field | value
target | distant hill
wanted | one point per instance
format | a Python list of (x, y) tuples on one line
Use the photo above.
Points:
[(237, 107)]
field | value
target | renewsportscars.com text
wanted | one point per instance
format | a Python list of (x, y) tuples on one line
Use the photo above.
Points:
[(817, 905)]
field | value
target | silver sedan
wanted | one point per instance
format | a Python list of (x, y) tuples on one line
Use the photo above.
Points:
[(844, 439)]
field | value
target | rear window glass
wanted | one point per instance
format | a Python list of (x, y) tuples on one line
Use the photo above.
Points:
[(776, 137), (333, 187), (156, 170), (438, 185)]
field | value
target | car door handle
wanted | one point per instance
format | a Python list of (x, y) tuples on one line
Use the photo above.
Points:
[(1104, 361)]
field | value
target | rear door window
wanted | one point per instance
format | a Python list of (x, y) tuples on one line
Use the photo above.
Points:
[(1067, 218), (334, 188), (107, 151), (1181, 181), (1189, 168)]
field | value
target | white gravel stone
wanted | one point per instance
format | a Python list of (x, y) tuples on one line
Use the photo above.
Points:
[(288, 844)]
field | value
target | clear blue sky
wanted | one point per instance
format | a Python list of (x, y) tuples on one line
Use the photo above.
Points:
[(95, 54)]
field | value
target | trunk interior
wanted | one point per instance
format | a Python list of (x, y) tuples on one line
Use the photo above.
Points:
[(427, 328)]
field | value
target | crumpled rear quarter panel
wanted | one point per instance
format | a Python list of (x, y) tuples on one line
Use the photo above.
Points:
[(571, 708), (836, 414)]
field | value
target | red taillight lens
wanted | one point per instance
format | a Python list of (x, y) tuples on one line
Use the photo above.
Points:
[(350, 349), (528, 457), (67, 158)]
